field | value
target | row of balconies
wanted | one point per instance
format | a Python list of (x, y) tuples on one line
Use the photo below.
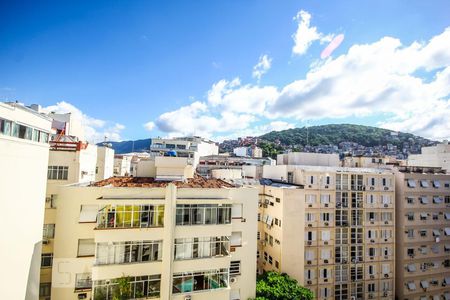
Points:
[(330, 295)]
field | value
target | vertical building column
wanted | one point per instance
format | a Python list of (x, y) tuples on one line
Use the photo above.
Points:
[(168, 246)]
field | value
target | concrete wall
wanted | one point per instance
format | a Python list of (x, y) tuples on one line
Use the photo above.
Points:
[(105, 163), (308, 159)]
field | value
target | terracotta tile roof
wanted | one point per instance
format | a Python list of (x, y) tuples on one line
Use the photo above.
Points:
[(149, 182)]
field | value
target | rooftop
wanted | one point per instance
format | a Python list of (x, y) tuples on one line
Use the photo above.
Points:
[(150, 182), (339, 169)]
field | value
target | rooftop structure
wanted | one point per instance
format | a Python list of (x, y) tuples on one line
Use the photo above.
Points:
[(434, 156), (311, 159)]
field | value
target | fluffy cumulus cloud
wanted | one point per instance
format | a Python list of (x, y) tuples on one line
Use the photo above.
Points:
[(408, 83), (306, 34), (262, 66), (95, 130)]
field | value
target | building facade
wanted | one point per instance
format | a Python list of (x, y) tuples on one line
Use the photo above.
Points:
[(346, 248), (423, 233), (178, 240), (434, 156), (24, 151)]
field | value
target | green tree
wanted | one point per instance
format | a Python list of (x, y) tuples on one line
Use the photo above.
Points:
[(276, 286)]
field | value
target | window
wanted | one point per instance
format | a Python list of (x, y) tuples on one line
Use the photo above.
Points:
[(236, 211), (310, 274), (410, 252), (411, 268), (309, 255), (309, 217), (410, 216), (83, 281), (371, 287), (200, 281), (372, 252), (424, 183), (410, 200), (325, 254), (57, 173), (128, 252), (270, 259), (310, 199), (49, 231), (423, 233), (370, 199), (326, 235), (386, 269), (411, 286), (310, 236), (140, 286), (436, 184), (325, 217), (437, 200), (410, 233), (88, 214), (235, 267), (327, 180), (86, 247), (45, 289), (423, 216), (236, 239), (258, 235), (325, 198), (324, 273), (277, 200), (423, 199), (277, 264), (203, 214), (311, 179), (411, 183), (46, 260), (132, 216)]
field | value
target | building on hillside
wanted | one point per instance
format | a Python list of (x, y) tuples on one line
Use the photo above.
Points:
[(105, 162), (190, 239), (434, 156), (309, 159), (423, 233), (24, 150), (250, 151), (345, 249), (190, 147), (122, 165), (370, 161), (250, 167)]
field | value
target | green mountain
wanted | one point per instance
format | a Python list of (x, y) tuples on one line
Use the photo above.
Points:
[(334, 134)]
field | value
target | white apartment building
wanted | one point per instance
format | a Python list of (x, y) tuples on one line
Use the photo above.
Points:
[(191, 239), (330, 228), (190, 147), (122, 165), (24, 151), (308, 159), (423, 233), (105, 163), (434, 156)]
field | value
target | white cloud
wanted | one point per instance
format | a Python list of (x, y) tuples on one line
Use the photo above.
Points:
[(95, 130), (149, 125), (262, 66), (306, 34), (409, 83)]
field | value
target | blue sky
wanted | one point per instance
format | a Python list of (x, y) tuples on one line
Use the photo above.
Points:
[(187, 67)]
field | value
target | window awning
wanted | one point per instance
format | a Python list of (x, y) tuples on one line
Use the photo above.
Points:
[(411, 183), (424, 183), (437, 200), (446, 247), (88, 213), (424, 200), (411, 286), (423, 215), (447, 296), (423, 250), (447, 230), (447, 216), (269, 220), (436, 183), (424, 284), (436, 232), (436, 297), (447, 280), (411, 268), (435, 248)]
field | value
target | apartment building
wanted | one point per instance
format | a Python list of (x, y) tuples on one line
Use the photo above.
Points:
[(190, 147), (423, 233), (249, 167), (194, 238), (331, 228), (434, 156), (308, 159), (24, 149), (122, 165), (105, 162)]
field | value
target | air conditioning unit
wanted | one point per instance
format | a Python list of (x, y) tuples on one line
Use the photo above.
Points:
[(45, 242), (372, 188), (386, 222), (372, 241), (309, 225), (325, 261), (386, 275), (385, 294), (325, 242), (386, 188), (310, 186), (385, 205), (309, 282), (372, 277), (308, 262), (309, 205), (326, 223), (326, 186), (309, 243), (187, 297), (325, 280), (386, 257), (233, 280), (370, 296), (326, 204)]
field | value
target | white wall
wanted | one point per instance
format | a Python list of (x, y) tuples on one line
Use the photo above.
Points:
[(308, 159), (23, 177), (240, 151), (105, 163)]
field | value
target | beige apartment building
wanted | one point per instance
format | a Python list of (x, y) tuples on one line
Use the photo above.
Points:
[(193, 238), (331, 228), (423, 233)]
